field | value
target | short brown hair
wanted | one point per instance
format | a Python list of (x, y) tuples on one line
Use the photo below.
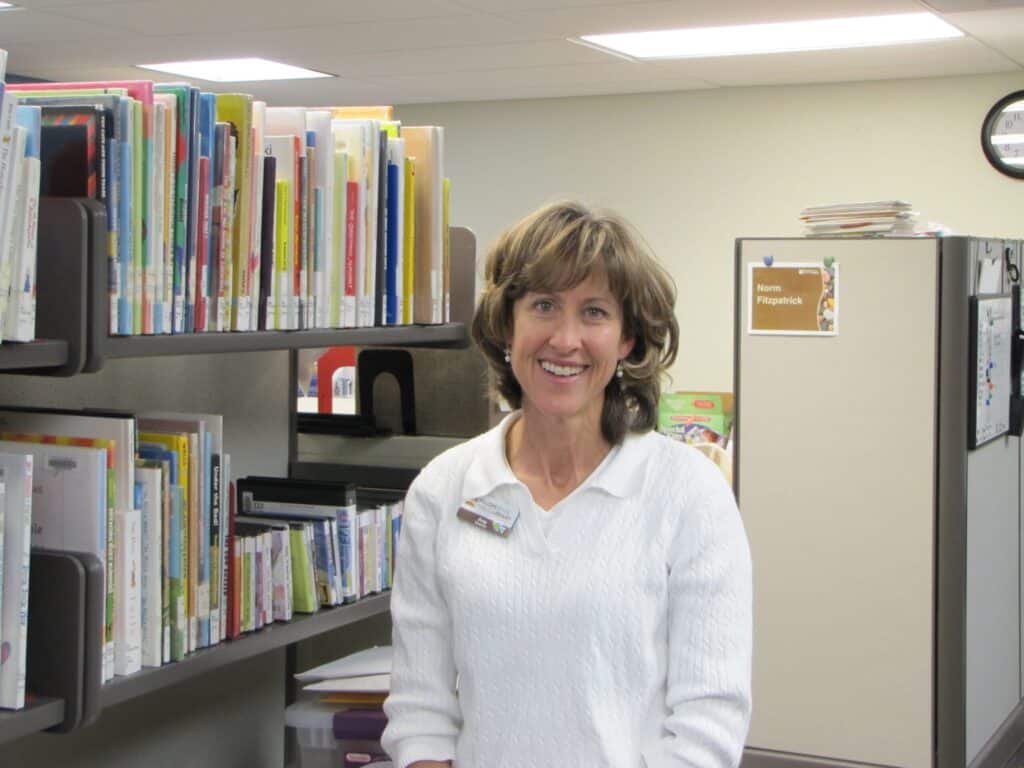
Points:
[(556, 248)]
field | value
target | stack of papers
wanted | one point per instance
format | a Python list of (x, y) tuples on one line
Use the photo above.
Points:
[(360, 679), (877, 217)]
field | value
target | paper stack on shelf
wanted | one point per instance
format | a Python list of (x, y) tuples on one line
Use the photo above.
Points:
[(877, 218)]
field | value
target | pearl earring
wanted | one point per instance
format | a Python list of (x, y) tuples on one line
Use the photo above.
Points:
[(619, 371), (508, 355)]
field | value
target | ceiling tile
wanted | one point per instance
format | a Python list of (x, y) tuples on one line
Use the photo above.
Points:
[(467, 58), (1002, 30), (232, 16), (952, 57), (674, 14)]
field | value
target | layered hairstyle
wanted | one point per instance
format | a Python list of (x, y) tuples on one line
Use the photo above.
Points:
[(557, 248)]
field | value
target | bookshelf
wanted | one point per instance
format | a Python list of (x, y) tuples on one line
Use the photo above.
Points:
[(66, 593)]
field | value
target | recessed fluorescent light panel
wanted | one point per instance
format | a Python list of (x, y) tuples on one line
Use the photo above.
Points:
[(7, 6), (781, 37), (235, 70)]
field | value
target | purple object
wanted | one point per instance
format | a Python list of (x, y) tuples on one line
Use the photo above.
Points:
[(362, 724)]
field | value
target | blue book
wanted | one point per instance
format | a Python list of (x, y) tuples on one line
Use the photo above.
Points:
[(207, 144)]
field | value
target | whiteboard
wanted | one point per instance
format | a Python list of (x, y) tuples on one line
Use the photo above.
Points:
[(991, 341)]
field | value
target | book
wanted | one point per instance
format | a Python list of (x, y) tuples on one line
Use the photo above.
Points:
[(281, 563), (69, 501), (395, 231), (116, 427), (20, 323), (426, 144), (127, 620), (149, 480), (16, 474), (236, 108), (267, 294)]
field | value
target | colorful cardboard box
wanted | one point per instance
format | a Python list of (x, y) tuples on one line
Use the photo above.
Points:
[(696, 417)]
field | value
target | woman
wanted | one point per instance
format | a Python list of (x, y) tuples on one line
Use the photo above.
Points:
[(572, 589)]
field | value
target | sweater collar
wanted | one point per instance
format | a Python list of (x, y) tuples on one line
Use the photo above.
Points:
[(621, 474)]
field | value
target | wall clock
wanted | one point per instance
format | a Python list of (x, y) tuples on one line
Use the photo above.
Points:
[(1002, 135)]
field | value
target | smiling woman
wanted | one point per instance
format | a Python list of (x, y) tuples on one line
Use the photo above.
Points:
[(571, 587)]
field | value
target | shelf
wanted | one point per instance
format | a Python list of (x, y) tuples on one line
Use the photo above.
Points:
[(277, 635), (452, 335), (38, 715), (42, 353)]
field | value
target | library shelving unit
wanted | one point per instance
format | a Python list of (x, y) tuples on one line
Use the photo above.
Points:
[(64, 691)]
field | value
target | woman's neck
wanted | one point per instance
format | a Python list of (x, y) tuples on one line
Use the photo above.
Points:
[(553, 457)]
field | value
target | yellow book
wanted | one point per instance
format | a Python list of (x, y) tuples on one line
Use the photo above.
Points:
[(282, 240), (409, 242), (353, 697), (236, 108), (446, 253), (189, 536), (363, 113)]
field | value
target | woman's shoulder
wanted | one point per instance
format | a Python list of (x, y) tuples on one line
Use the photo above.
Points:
[(676, 469), (451, 465)]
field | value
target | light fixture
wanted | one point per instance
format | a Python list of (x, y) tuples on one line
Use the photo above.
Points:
[(235, 70), (816, 35), (7, 6)]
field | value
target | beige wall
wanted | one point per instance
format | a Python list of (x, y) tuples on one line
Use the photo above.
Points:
[(694, 170)]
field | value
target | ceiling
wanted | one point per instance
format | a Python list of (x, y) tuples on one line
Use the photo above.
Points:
[(415, 51)]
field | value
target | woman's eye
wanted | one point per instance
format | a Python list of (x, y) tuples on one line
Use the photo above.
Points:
[(596, 312), (544, 305)]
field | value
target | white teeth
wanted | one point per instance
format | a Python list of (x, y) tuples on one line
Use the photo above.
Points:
[(561, 370)]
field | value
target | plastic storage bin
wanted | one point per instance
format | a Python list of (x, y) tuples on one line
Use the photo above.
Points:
[(318, 748)]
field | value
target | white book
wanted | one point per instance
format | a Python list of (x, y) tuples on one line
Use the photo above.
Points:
[(281, 561), (8, 177), (358, 138), (169, 154), (20, 323), (3, 64), (11, 226), (69, 504), (16, 473), (127, 595), (120, 429), (150, 479)]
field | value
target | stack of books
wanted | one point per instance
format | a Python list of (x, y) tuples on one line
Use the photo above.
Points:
[(226, 214), (877, 217)]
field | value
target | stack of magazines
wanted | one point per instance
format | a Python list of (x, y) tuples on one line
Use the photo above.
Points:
[(878, 218)]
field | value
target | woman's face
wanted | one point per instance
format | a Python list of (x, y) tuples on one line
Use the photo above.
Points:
[(565, 347)]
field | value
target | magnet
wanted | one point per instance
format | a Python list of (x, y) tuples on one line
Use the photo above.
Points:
[(769, 260), (829, 261)]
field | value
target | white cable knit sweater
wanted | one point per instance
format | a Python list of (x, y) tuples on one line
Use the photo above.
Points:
[(621, 639)]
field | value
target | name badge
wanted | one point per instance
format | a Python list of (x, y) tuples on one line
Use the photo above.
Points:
[(488, 516)]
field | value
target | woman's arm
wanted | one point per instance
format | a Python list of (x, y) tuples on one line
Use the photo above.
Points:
[(423, 712), (709, 632)]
